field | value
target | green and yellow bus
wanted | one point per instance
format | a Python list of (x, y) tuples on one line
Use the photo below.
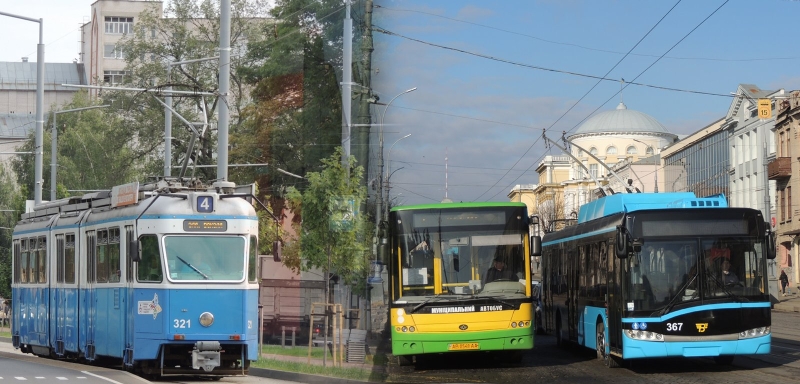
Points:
[(442, 297)]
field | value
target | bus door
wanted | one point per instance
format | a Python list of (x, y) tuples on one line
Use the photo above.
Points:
[(614, 300), (573, 274)]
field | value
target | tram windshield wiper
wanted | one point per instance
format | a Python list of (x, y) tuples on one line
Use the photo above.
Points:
[(193, 267)]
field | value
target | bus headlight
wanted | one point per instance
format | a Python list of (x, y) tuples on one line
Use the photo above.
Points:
[(755, 332), (206, 319)]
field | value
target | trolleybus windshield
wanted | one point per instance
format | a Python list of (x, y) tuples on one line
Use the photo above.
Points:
[(205, 257), (669, 272)]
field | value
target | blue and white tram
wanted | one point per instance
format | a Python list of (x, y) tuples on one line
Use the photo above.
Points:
[(162, 278)]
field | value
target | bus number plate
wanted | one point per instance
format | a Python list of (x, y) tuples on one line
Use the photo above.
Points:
[(463, 346)]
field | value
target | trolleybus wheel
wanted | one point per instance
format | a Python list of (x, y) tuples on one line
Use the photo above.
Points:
[(559, 337), (607, 359)]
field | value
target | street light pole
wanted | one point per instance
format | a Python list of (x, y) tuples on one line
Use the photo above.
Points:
[(379, 201), (39, 135), (389, 168), (655, 165), (54, 147)]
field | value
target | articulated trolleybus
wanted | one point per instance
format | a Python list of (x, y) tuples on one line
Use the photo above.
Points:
[(159, 278), (660, 275), (441, 300)]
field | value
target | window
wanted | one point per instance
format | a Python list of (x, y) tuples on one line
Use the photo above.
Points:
[(649, 151), (113, 77), (111, 51), (108, 260), (149, 268), (631, 150), (612, 150), (593, 170), (789, 203), (69, 259), (118, 25), (783, 205), (252, 267), (593, 151)]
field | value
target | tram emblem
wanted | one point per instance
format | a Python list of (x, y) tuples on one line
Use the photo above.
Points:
[(701, 327)]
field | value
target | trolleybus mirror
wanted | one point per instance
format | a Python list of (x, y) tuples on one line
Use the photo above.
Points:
[(770, 245), (133, 251), (536, 245), (621, 243), (637, 245)]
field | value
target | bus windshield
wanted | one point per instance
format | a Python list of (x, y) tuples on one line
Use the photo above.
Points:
[(669, 272), (192, 258), (484, 259)]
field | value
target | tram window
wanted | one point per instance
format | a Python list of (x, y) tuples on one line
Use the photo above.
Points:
[(33, 263), (149, 268), (128, 258), (60, 258), (114, 269), (91, 256), (41, 252), (101, 267), (19, 261), (69, 259), (252, 260)]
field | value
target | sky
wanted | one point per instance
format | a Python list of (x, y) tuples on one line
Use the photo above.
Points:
[(491, 76)]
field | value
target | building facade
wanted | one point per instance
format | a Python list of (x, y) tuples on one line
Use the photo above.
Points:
[(783, 170)]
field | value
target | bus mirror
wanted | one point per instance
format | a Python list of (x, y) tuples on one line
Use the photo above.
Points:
[(133, 251), (536, 245), (621, 243), (637, 245)]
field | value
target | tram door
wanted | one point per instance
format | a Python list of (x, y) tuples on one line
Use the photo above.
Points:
[(58, 304), (89, 312)]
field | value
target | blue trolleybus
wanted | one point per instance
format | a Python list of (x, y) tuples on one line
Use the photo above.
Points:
[(159, 278), (660, 275)]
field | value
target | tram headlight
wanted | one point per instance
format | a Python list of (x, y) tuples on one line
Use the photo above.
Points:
[(206, 319), (755, 332)]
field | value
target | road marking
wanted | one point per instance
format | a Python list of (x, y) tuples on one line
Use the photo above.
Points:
[(100, 377), (20, 378), (61, 378)]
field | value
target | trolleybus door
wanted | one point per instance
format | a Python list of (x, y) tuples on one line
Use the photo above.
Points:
[(572, 294), (614, 300)]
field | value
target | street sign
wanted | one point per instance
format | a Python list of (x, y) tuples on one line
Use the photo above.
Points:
[(764, 108)]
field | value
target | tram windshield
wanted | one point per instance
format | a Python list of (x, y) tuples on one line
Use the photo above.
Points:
[(205, 257), (439, 254), (667, 273)]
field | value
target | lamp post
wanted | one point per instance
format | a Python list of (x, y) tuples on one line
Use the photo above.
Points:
[(379, 201), (389, 168), (655, 165), (38, 180), (54, 146)]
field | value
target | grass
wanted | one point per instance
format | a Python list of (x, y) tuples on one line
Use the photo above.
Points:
[(361, 374), (4, 333)]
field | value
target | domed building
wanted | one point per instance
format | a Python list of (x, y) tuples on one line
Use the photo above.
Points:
[(625, 140)]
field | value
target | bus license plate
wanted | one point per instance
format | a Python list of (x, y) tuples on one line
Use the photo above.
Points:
[(463, 346)]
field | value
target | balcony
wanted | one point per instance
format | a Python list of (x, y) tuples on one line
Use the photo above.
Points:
[(780, 168)]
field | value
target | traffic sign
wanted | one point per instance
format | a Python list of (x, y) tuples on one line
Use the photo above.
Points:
[(764, 108)]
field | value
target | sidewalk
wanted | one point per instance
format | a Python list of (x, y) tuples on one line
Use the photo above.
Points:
[(788, 303)]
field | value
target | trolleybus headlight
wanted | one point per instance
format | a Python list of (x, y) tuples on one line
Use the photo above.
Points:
[(206, 319), (644, 335), (755, 332), (513, 325)]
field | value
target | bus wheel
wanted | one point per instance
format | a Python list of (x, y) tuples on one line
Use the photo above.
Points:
[(608, 360), (405, 360), (723, 359)]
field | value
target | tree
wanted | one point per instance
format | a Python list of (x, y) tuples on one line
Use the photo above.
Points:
[(188, 30), (94, 151), (12, 204), (332, 236), (550, 210)]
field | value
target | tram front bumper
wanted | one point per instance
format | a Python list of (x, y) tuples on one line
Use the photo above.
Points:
[(206, 355)]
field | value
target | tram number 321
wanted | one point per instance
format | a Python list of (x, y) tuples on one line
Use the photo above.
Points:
[(674, 327), (182, 323)]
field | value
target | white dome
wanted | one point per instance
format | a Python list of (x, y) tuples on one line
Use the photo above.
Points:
[(621, 120)]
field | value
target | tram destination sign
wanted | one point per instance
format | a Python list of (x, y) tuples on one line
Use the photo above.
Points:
[(205, 225)]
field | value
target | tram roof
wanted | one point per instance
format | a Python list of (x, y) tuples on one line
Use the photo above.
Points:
[(630, 202)]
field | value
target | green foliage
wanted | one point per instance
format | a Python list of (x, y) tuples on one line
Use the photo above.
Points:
[(12, 204), (326, 246), (296, 116)]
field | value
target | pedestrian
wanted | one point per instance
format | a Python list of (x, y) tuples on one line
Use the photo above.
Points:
[(784, 281)]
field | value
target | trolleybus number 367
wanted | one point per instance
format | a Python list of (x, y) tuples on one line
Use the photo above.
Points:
[(674, 327)]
